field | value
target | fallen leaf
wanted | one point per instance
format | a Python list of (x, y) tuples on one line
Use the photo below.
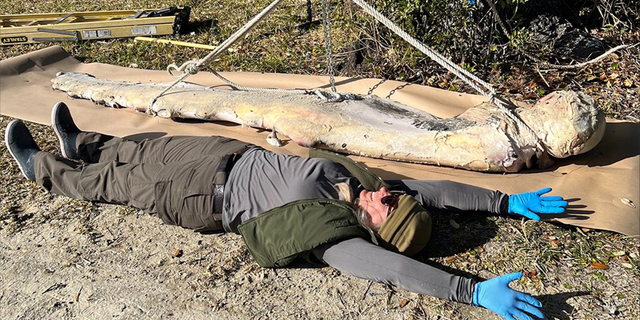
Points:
[(177, 253), (55, 287), (598, 265), (554, 244), (403, 303), (218, 270), (531, 274), (627, 265), (248, 268), (454, 224), (76, 298), (585, 229), (627, 83), (619, 253)]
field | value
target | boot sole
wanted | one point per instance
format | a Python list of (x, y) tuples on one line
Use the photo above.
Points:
[(63, 150), (6, 142)]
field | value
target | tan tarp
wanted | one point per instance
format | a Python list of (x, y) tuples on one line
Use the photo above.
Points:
[(597, 183)]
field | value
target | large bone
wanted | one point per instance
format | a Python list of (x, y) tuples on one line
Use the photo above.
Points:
[(483, 138)]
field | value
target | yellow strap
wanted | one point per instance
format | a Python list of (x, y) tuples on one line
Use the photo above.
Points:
[(178, 43)]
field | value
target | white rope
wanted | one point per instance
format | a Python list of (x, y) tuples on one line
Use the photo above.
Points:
[(504, 105), (464, 75), (326, 26), (193, 66), (507, 107), (243, 88), (329, 96), (332, 96)]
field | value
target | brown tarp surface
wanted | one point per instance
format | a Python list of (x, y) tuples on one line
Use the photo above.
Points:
[(598, 184)]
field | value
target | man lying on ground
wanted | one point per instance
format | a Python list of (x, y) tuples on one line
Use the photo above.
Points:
[(326, 209)]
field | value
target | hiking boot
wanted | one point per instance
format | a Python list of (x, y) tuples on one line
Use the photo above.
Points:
[(65, 129), (22, 147)]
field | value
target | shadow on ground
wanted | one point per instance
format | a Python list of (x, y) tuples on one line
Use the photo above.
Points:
[(556, 305)]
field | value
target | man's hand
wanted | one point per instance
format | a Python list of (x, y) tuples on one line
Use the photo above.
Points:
[(529, 203), (495, 295)]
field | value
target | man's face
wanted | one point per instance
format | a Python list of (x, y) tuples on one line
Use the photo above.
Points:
[(371, 202)]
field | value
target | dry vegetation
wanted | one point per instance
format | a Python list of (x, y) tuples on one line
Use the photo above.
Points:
[(63, 258)]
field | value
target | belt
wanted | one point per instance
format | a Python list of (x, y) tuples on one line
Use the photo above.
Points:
[(224, 168)]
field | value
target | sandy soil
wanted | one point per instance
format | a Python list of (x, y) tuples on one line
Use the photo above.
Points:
[(68, 259), (98, 263)]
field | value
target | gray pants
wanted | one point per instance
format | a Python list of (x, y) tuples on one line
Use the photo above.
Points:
[(173, 177)]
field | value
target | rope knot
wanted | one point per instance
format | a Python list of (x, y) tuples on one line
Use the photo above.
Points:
[(189, 67)]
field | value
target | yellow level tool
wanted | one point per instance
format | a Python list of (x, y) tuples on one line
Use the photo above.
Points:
[(35, 28)]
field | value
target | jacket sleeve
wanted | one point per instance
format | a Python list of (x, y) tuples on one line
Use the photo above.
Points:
[(363, 259), (449, 195)]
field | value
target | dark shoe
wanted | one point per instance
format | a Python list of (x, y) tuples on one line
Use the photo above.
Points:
[(65, 129), (22, 147)]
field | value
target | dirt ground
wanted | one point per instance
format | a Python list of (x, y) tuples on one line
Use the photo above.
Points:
[(68, 259)]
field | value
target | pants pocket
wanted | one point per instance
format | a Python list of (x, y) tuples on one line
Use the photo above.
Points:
[(163, 202), (185, 195), (197, 213)]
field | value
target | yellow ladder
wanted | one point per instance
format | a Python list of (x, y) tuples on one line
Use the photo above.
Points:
[(92, 25)]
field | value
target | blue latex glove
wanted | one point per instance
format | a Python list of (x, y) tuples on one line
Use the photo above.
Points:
[(529, 203), (495, 295)]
